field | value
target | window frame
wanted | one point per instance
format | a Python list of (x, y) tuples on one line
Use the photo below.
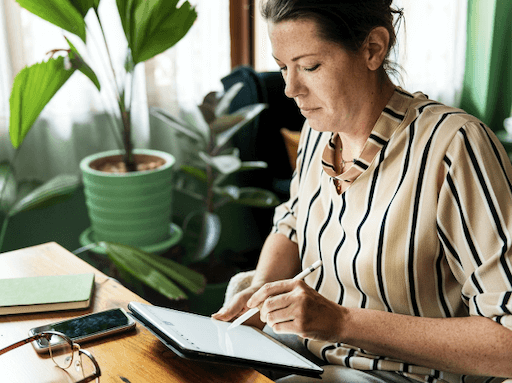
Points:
[(241, 19)]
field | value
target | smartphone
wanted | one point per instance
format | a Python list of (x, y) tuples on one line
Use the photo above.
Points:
[(86, 327)]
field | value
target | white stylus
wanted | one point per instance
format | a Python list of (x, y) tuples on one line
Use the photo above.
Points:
[(254, 310)]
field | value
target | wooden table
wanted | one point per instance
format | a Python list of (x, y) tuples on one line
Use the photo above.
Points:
[(131, 357)]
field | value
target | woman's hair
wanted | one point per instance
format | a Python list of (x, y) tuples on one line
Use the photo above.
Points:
[(345, 22)]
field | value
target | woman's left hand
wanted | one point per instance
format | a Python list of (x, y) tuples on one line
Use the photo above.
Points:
[(291, 306)]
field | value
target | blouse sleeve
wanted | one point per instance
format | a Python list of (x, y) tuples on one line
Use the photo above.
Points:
[(285, 216), (474, 220)]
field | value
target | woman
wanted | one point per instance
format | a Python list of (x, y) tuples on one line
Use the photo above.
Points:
[(406, 201)]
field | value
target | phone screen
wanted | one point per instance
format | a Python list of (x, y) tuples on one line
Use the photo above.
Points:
[(87, 325)]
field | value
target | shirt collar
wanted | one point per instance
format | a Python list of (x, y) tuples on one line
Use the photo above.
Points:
[(390, 119)]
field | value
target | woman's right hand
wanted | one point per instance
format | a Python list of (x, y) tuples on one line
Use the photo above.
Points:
[(237, 306), (279, 259)]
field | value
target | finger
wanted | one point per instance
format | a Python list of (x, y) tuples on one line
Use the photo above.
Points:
[(277, 309), (286, 320), (276, 302), (287, 327), (279, 316), (234, 308), (236, 305), (269, 290), (224, 314)]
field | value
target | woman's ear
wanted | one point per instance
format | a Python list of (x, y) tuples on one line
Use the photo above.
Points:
[(376, 47)]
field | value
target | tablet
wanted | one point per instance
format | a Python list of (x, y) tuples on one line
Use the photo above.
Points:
[(199, 337)]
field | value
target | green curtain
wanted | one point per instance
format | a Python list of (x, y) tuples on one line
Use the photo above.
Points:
[(487, 87)]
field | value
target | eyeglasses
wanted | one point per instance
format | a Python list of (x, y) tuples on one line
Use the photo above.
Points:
[(62, 350)]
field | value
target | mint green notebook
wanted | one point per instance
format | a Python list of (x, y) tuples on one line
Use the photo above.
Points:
[(45, 293)]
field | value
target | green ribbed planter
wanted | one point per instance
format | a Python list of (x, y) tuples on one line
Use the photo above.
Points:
[(131, 208)]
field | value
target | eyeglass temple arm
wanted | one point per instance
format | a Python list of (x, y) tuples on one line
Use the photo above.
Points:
[(21, 343)]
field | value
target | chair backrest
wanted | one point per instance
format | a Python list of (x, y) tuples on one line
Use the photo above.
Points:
[(262, 139), (291, 140)]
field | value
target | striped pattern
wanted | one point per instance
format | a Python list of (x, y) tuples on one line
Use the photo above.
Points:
[(424, 229)]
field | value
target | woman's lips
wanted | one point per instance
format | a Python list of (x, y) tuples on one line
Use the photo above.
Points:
[(308, 111)]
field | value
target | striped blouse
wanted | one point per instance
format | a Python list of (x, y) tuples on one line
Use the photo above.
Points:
[(424, 229)]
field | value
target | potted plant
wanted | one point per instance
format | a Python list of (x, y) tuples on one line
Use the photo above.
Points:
[(142, 188), (17, 196), (207, 177), (131, 202)]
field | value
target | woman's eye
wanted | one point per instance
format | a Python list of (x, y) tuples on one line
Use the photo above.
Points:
[(312, 68), (282, 69)]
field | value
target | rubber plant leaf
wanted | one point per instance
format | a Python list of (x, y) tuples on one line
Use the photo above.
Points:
[(153, 26), (223, 123), (62, 13), (225, 164), (248, 113), (78, 63), (257, 197), (222, 107), (54, 191), (8, 187), (204, 234), (199, 174), (33, 88), (253, 165), (194, 119), (126, 258), (249, 196), (231, 191), (187, 184)]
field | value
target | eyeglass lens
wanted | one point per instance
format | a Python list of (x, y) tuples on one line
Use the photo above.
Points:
[(61, 351), (87, 366)]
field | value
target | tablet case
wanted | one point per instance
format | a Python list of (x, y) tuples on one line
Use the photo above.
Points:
[(139, 311)]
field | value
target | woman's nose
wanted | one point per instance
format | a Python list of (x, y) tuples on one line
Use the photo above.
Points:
[(293, 87)]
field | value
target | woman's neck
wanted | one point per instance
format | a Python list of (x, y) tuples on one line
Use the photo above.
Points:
[(354, 139)]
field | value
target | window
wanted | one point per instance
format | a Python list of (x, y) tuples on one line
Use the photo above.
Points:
[(73, 124), (431, 47)]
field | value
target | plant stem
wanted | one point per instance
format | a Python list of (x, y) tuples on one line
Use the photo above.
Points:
[(209, 189), (113, 122), (128, 150), (129, 159), (210, 177), (125, 114)]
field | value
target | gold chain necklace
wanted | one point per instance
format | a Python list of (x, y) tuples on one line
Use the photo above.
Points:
[(343, 162)]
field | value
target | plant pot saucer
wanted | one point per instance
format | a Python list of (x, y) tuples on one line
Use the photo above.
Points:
[(175, 235)]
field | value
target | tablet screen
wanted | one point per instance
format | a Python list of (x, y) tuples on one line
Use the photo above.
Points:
[(207, 335)]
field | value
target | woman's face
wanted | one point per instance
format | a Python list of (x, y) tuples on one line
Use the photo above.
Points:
[(328, 83)]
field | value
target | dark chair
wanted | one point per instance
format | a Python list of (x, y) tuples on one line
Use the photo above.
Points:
[(261, 140)]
